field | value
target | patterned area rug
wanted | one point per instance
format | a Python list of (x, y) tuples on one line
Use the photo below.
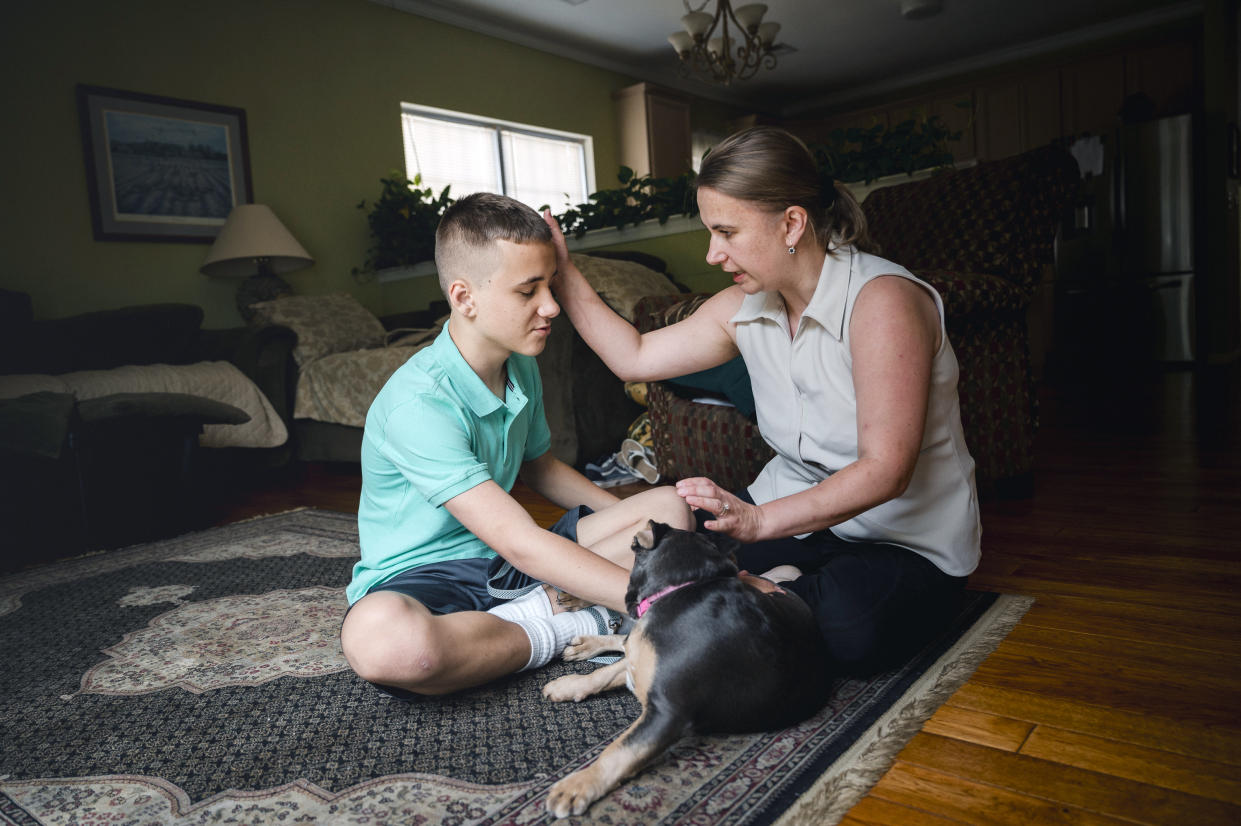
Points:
[(200, 680)]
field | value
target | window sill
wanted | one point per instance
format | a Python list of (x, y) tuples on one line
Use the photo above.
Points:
[(860, 190), (592, 240)]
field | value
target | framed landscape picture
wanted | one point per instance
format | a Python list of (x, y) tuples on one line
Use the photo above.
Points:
[(161, 169)]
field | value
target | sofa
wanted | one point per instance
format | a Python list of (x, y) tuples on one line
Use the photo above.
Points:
[(344, 354), (109, 419), (692, 433), (982, 236)]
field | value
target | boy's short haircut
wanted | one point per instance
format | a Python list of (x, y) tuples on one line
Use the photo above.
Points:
[(470, 227)]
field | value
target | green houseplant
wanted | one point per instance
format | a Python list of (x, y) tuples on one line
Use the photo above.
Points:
[(861, 155), (402, 223), (638, 198)]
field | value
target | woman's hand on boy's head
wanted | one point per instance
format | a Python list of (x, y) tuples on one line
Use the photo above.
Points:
[(562, 249)]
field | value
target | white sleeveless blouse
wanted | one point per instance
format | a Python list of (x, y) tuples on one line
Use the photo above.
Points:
[(807, 412)]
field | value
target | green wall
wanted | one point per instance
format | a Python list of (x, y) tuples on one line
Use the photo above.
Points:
[(321, 82)]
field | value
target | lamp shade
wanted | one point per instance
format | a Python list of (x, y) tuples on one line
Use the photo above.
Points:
[(251, 241), (697, 23), (681, 41), (750, 15)]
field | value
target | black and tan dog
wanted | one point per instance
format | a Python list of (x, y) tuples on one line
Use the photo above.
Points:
[(709, 654)]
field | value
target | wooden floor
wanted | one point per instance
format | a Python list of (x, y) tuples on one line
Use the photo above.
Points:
[(1118, 697)]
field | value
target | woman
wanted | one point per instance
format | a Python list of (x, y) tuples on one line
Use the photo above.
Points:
[(871, 494)]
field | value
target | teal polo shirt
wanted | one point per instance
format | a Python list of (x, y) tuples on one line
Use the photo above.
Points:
[(435, 431)]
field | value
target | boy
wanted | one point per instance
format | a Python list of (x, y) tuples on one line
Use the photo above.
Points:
[(444, 441)]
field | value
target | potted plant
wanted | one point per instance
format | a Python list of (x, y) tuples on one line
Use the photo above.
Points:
[(402, 223), (857, 155), (637, 199)]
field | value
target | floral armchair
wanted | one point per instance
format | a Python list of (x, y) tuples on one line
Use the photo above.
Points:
[(982, 237)]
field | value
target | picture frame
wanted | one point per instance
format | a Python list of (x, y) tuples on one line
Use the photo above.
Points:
[(160, 168)]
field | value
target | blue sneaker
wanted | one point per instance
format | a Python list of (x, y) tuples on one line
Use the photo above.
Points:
[(610, 473), (609, 622), (597, 467)]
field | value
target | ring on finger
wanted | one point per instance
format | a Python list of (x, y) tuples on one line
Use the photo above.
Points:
[(724, 510)]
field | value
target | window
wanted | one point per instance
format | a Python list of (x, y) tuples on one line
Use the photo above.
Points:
[(535, 166)]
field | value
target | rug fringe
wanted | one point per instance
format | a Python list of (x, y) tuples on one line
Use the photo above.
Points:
[(874, 752), (273, 513)]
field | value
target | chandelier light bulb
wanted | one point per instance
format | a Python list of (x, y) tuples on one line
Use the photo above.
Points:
[(727, 44)]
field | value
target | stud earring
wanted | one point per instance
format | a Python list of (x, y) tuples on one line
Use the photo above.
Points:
[(792, 250)]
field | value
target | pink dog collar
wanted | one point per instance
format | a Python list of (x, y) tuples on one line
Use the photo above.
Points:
[(645, 604)]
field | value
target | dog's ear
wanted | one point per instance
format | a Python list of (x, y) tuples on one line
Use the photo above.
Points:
[(648, 537), (643, 540)]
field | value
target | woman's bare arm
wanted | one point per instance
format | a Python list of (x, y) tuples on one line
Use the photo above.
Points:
[(703, 340)]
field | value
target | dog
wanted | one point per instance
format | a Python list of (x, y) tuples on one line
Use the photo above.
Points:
[(708, 654)]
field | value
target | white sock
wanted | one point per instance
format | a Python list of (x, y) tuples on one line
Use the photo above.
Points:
[(588, 621), (531, 605), (542, 641), (548, 637)]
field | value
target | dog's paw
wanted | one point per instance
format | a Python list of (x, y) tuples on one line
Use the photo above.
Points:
[(575, 687), (573, 795), (579, 648), (591, 645)]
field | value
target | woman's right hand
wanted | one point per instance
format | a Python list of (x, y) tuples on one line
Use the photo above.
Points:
[(734, 517), (562, 249)]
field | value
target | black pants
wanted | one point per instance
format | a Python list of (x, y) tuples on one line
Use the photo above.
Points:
[(875, 603)]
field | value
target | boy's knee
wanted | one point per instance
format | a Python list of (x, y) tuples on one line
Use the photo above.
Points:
[(678, 513), (388, 643)]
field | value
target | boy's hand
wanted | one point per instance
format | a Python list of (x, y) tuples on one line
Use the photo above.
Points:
[(562, 601)]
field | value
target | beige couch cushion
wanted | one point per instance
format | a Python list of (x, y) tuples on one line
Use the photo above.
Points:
[(622, 283), (324, 324)]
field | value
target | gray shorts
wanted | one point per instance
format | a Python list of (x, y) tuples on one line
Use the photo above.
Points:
[(472, 584), (467, 584)]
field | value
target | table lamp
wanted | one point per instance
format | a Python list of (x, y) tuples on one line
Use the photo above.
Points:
[(254, 245)]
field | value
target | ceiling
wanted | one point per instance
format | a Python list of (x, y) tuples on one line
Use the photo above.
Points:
[(837, 51)]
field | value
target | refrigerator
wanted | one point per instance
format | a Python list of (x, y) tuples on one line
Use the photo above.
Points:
[(1155, 227)]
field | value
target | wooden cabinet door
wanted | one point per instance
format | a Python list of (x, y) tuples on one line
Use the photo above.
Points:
[(654, 130), (1092, 92)]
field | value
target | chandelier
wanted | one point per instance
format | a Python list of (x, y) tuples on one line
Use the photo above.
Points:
[(726, 46)]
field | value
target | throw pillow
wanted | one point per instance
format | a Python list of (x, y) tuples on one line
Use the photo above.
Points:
[(730, 380), (622, 283), (324, 324), (682, 309)]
